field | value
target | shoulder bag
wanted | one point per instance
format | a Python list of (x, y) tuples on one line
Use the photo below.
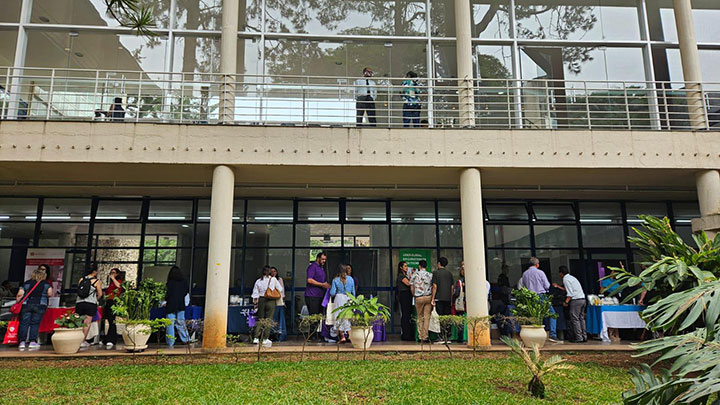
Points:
[(460, 300), (272, 294), (17, 307)]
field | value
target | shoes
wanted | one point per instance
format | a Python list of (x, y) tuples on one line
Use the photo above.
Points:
[(109, 345), (578, 341), (21, 346), (555, 340), (441, 342), (256, 341), (84, 344), (33, 346)]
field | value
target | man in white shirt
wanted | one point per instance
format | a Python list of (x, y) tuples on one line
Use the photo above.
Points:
[(365, 96), (575, 300)]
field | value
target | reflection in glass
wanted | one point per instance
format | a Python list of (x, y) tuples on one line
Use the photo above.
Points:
[(206, 15), (365, 211), (600, 213), (318, 211), (118, 209), (317, 235), (603, 236), (170, 210), (11, 233), (450, 235), (516, 236), (507, 212), (89, 12), (489, 18), (412, 211), (365, 235), (555, 236), (554, 212), (7, 46), (508, 262), (18, 209), (59, 235), (270, 211), (413, 235), (269, 235), (66, 209)]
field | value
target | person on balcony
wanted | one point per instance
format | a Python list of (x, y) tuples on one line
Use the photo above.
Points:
[(365, 96), (411, 100), (117, 113)]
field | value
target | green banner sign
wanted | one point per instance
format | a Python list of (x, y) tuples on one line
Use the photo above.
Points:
[(413, 256)]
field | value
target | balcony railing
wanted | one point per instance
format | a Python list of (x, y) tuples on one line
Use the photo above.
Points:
[(194, 98)]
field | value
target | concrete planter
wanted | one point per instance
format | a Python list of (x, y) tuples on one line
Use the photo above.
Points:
[(66, 340), (533, 334), (357, 337), (136, 337)]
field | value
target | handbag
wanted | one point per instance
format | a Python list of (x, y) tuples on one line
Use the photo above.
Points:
[(11, 335), (17, 307), (330, 314), (460, 300), (272, 294)]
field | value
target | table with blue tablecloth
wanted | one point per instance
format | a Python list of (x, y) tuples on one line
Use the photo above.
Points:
[(601, 317), (238, 319)]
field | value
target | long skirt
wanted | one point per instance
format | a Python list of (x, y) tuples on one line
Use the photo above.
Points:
[(341, 325)]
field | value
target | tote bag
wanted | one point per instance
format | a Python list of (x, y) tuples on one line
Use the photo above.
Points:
[(330, 314), (434, 322), (11, 336)]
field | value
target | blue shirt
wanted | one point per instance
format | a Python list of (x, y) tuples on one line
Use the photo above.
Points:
[(338, 287), (606, 283)]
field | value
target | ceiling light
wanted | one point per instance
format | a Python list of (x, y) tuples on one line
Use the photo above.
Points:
[(683, 221), (373, 218), (273, 218), (44, 19), (596, 221), (323, 218), (186, 226), (167, 218), (108, 217), (4, 217), (74, 33)]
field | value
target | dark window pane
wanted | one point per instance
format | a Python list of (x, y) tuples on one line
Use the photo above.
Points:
[(170, 210), (366, 235), (61, 235), (600, 213), (635, 209), (507, 212), (684, 212), (508, 262), (18, 209), (414, 235), (599, 236), (270, 211), (450, 235), (317, 235), (555, 236), (66, 209), (449, 211), (412, 211), (365, 211), (118, 210), (11, 231), (517, 236), (203, 213), (269, 235), (318, 211), (554, 212)]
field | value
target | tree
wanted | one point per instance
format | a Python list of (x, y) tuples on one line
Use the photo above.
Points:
[(132, 14), (687, 279)]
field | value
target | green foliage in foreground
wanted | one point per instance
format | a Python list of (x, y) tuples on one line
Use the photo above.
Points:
[(482, 381)]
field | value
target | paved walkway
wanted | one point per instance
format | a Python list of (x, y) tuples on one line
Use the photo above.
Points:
[(46, 351)]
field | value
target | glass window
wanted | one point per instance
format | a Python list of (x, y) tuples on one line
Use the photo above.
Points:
[(317, 235), (508, 262), (450, 235), (455, 259), (18, 209), (269, 235), (206, 15), (348, 17), (577, 19), (551, 260), (255, 259), (490, 18), (11, 11), (270, 211), (195, 54), (507, 212), (366, 235), (8, 37), (414, 235), (203, 214), (318, 211), (658, 210), (517, 236), (94, 12), (63, 234), (684, 212), (449, 211), (553, 212), (603, 236), (118, 210), (555, 236), (11, 231), (181, 234), (365, 211), (199, 274), (66, 209), (662, 20), (170, 210), (600, 213), (116, 235), (412, 211)]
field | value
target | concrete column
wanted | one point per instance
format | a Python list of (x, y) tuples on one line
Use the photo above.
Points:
[(474, 253), (228, 60), (708, 190), (690, 63), (463, 35), (219, 250)]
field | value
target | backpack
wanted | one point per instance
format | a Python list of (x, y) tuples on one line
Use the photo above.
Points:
[(460, 300), (85, 288)]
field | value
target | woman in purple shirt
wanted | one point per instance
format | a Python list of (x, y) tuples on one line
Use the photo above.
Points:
[(316, 284)]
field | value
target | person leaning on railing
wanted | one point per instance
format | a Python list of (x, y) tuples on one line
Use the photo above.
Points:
[(411, 100), (365, 96)]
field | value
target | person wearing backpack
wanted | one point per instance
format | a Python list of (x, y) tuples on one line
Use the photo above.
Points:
[(34, 304), (89, 292)]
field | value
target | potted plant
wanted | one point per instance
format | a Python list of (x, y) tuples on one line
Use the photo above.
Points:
[(530, 311), (132, 309), (362, 312), (67, 338)]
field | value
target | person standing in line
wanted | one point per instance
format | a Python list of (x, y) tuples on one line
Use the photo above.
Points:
[(279, 315), (89, 292), (421, 288), (342, 285), (442, 282), (459, 303), (316, 284), (405, 300), (264, 306), (411, 100), (113, 290), (177, 289), (33, 308), (536, 281), (365, 96), (575, 300)]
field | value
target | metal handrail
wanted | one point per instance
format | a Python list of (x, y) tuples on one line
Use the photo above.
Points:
[(194, 98)]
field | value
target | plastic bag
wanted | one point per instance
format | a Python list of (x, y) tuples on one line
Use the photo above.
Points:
[(434, 322)]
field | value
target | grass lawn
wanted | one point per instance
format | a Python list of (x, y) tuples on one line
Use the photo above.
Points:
[(487, 380)]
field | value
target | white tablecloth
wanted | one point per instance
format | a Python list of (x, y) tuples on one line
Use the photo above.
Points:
[(620, 320)]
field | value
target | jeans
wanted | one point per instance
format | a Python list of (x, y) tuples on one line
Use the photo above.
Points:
[(178, 321), (30, 317), (279, 317), (551, 324), (411, 113)]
